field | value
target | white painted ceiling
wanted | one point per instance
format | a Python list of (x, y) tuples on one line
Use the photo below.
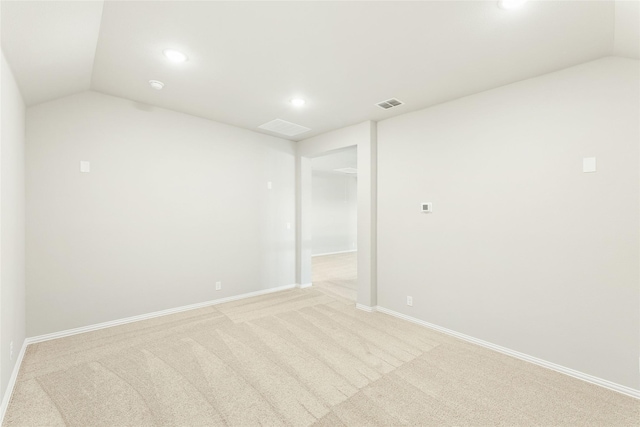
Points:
[(50, 46), (338, 159), (248, 59)]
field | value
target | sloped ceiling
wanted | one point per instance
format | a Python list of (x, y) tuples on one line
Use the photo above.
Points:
[(50, 46), (248, 59)]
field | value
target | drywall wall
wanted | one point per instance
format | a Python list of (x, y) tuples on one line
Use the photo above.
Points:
[(627, 29), (12, 224), (363, 136), (334, 199), (522, 249), (173, 203)]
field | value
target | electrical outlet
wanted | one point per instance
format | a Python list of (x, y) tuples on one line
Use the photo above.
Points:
[(410, 301), (11, 351), (218, 286)]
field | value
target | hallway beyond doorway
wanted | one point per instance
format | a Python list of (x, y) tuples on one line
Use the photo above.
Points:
[(337, 273)]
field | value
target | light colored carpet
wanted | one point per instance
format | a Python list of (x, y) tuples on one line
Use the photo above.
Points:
[(336, 273), (296, 358)]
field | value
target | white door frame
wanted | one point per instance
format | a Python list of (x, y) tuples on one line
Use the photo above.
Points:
[(364, 137)]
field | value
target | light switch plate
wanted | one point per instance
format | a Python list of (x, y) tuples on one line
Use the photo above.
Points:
[(589, 164), (85, 166)]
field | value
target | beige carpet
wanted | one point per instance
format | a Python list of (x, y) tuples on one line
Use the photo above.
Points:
[(336, 273), (295, 358)]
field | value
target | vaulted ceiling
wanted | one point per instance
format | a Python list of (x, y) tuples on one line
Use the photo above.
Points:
[(247, 60)]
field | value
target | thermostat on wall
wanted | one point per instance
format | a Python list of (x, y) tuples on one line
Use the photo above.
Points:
[(426, 207)]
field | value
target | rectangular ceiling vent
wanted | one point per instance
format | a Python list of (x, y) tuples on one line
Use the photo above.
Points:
[(347, 170), (284, 128), (389, 103)]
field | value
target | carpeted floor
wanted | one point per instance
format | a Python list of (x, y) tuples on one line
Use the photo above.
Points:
[(295, 358), (337, 273)]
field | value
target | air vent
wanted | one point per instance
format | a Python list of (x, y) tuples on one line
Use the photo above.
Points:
[(389, 103), (284, 128), (347, 170)]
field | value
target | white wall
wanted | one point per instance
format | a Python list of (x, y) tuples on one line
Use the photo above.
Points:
[(12, 225), (334, 199), (173, 204), (523, 249), (627, 29)]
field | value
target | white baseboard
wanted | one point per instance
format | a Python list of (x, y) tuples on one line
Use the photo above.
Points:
[(366, 308), (336, 253), (12, 382), (558, 368), (40, 338), (117, 322), (304, 285), (545, 364)]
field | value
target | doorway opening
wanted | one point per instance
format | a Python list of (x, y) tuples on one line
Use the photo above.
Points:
[(334, 222), (363, 136)]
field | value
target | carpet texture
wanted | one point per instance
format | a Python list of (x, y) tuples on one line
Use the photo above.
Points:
[(294, 358)]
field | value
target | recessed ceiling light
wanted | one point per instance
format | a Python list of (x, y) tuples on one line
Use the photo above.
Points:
[(175, 55), (511, 4), (156, 84), (298, 102)]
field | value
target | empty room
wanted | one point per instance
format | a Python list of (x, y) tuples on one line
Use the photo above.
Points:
[(327, 213)]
